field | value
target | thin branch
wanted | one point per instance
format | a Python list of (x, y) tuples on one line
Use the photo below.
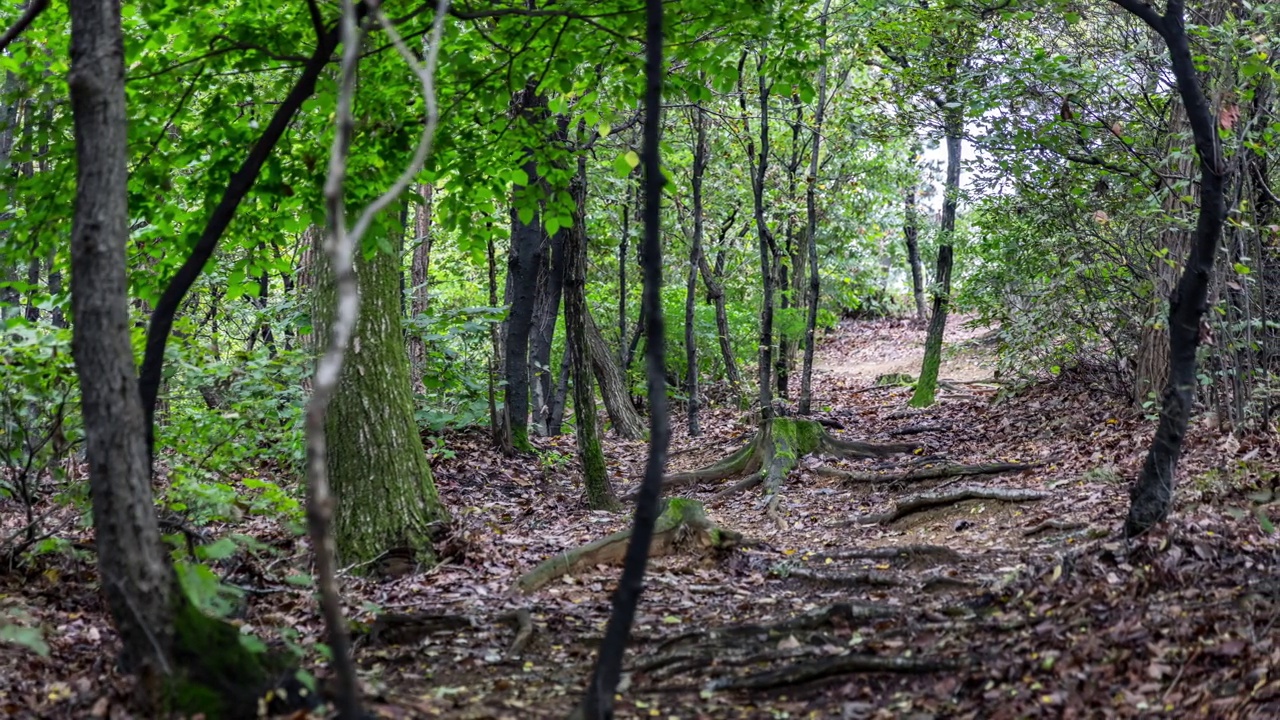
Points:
[(340, 246), (28, 16), (1146, 13)]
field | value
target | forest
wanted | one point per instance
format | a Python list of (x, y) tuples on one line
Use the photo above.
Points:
[(639, 359)]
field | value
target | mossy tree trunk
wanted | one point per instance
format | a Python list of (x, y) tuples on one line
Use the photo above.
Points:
[(927, 385), (595, 478), (190, 663), (379, 471)]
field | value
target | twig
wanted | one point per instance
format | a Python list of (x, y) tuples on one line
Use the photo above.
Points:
[(925, 501)]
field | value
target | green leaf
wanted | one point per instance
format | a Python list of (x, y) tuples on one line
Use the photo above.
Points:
[(1242, 269), (525, 214), (218, 550), (633, 159), (621, 167), (28, 637), (300, 579)]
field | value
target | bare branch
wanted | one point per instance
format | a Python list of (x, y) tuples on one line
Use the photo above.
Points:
[(1145, 12), (340, 245), (28, 16)]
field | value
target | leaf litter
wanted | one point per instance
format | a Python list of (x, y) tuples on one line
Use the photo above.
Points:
[(977, 608)]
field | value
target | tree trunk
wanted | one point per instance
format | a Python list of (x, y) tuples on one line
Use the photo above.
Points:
[(527, 241), (714, 281), (498, 421), (927, 385), (695, 258), (546, 310), (555, 417), (759, 166), (613, 385), (1152, 493), (623, 357), (190, 663), (911, 231), (420, 283), (595, 476), (811, 228), (386, 497)]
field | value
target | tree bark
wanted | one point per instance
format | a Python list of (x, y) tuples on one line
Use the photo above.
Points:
[(759, 166), (911, 231), (1152, 493), (953, 120), (137, 578), (420, 282), (811, 227), (599, 491), (713, 279), (377, 466), (555, 416), (613, 385), (527, 242), (695, 259), (546, 310)]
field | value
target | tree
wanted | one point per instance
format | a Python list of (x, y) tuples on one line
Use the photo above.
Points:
[(1152, 493)]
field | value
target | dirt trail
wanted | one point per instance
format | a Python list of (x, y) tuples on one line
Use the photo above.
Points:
[(867, 350)]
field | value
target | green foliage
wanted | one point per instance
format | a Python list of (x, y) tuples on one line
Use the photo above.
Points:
[(455, 376)]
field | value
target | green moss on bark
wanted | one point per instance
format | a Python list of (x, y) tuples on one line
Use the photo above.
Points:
[(386, 496)]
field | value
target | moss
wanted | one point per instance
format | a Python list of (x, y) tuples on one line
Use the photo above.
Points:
[(520, 439), (218, 676), (793, 438), (600, 495)]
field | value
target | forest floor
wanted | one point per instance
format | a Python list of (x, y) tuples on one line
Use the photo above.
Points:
[(974, 609)]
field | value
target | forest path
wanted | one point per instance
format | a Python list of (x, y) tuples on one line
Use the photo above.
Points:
[(867, 350), (974, 608)]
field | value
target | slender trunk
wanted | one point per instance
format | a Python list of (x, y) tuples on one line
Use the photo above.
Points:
[(546, 310), (555, 418), (498, 424), (599, 491), (598, 701), (420, 283), (9, 113), (623, 357), (695, 259), (1152, 493), (811, 227), (759, 166), (911, 231), (33, 287), (927, 385)]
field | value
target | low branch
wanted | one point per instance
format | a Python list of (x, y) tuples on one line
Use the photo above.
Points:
[(29, 16)]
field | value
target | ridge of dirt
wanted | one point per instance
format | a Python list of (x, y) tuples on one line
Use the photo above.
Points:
[(980, 609)]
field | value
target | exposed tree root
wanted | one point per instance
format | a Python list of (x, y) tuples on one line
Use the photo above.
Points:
[(1053, 524), (820, 668), (925, 501), (838, 615), (682, 522), (877, 579), (773, 453), (896, 552), (523, 621), (413, 628), (935, 473)]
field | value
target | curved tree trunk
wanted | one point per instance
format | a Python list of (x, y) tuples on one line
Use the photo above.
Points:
[(613, 385), (377, 465), (595, 477), (1152, 493), (927, 385)]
